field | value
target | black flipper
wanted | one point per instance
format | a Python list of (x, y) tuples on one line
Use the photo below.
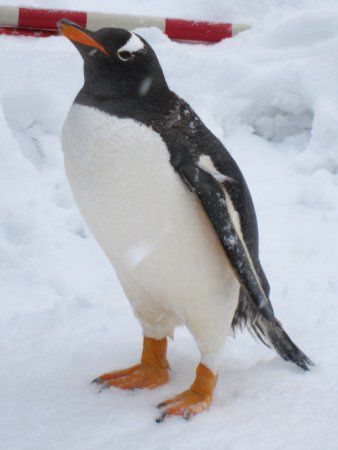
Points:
[(212, 197), (254, 295)]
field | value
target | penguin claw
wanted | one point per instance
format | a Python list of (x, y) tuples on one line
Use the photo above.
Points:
[(161, 405), (103, 387), (161, 418)]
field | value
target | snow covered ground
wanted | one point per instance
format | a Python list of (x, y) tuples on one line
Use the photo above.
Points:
[(271, 95)]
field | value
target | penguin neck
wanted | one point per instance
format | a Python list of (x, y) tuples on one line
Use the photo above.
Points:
[(128, 104), (107, 86)]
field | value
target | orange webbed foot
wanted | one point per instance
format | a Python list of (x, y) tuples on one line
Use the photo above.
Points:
[(194, 400), (136, 377), (186, 404), (150, 373)]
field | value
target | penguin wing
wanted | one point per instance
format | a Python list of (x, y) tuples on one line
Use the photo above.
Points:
[(215, 201)]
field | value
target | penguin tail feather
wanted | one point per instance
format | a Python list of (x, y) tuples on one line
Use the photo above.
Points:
[(269, 332), (272, 334)]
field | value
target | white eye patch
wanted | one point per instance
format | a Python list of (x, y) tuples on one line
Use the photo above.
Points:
[(134, 44)]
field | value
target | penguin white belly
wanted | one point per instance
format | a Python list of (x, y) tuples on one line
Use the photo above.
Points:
[(151, 227)]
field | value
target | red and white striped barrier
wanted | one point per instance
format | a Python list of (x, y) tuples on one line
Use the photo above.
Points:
[(43, 22)]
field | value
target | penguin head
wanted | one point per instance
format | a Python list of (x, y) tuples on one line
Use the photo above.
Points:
[(117, 62)]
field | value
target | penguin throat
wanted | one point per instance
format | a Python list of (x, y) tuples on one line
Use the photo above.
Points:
[(144, 90), (105, 83)]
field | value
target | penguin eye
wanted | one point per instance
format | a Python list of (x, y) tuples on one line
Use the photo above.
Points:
[(125, 56)]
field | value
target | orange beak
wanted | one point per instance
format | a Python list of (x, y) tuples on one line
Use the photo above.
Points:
[(75, 34)]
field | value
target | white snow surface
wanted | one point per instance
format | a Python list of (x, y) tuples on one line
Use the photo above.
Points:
[(271, 95)]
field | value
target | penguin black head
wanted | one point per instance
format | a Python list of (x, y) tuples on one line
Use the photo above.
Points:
[(117, 62)]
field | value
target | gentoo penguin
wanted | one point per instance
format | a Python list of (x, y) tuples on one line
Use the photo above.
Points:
[(170, 209)]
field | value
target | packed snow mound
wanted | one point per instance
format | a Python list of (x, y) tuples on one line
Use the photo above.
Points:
[(271, 96)]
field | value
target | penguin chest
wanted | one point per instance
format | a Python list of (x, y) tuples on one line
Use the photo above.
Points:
[(122, 180), (148, 223)]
